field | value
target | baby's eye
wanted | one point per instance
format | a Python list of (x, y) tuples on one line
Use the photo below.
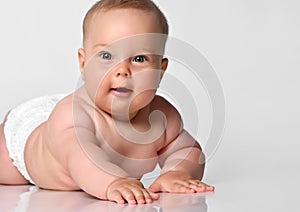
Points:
[(105, 56), (139, 59)]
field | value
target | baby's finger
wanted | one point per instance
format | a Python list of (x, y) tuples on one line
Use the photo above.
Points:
[(182, 188), (200, 186), (139, 195), (129, 196), (194, 187), (150, 196), (146, 198), (210, 188), (117, 197), (153, 195), (186, 186)]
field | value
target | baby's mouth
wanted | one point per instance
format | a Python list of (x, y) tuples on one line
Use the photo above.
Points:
[(121, 91)]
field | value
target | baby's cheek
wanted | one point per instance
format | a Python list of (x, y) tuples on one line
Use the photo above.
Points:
[(142, 99), (147, 80), (94, 75)]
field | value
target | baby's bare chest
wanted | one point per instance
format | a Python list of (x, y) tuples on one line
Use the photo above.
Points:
[(140, 138), (134, 158), (131, 143)]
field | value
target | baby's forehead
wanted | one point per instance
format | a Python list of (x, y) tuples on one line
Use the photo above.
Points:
[(102, 13), (147, 41), (102, 18)]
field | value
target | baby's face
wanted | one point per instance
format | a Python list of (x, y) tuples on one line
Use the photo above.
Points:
[(121, 62)]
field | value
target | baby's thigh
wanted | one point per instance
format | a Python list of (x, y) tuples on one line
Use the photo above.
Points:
[(9, 174)]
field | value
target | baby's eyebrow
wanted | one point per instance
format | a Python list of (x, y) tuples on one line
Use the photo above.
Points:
[(151, 51), (100, 44)]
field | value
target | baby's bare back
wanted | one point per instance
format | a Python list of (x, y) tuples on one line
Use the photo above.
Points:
[(43, 160)]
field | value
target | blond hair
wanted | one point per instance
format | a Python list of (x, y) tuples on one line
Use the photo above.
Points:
[(145, 5)]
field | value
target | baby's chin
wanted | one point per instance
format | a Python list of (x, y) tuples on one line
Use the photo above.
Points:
[(121, 109), (124, 117), (120, 113)]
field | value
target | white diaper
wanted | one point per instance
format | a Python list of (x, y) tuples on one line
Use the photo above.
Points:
[(21, 122)]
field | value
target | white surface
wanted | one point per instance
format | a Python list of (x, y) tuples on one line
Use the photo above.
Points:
[(254, 47), (26, 198)]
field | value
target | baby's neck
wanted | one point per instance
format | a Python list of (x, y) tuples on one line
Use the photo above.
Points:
[(81, 93), (124, 118)]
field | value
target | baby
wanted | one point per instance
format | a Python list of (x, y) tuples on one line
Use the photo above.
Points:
[(114, 128)]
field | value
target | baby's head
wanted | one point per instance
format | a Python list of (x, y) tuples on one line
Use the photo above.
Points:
[(121, 40), (143, 10), (145, 6)]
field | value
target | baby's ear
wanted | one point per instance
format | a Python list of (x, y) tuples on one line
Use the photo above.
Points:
[(81, 59), (164, 65)]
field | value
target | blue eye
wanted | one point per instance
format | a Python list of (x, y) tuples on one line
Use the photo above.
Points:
[(105, 56), (139, 59)]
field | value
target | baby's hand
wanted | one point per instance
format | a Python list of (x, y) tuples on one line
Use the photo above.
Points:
[(130, 190), (178, 182)]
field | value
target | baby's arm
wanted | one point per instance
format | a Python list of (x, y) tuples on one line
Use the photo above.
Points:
[(98, 176), (182, 167), (82, 170), (181, 159), (106, 181), (183, 154)]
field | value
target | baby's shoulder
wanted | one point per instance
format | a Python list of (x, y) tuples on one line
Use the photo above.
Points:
[(163, 105), (68, 113), (61, 116), (173, 118)]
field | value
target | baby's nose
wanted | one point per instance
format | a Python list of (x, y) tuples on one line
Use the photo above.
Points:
[(123, 70), (122, 73)]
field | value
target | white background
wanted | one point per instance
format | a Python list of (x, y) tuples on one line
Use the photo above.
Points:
[(254, 47)]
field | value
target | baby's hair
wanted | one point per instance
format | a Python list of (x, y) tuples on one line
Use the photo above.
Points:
[(145, 5)]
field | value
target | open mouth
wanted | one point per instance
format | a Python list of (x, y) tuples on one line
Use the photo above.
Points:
[(121, 91)]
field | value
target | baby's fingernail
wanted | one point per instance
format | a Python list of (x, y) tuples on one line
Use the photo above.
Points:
[(141, 201), (211, 188), (132, 202)]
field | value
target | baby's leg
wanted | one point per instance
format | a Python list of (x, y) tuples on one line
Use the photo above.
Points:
[(9, 174)]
